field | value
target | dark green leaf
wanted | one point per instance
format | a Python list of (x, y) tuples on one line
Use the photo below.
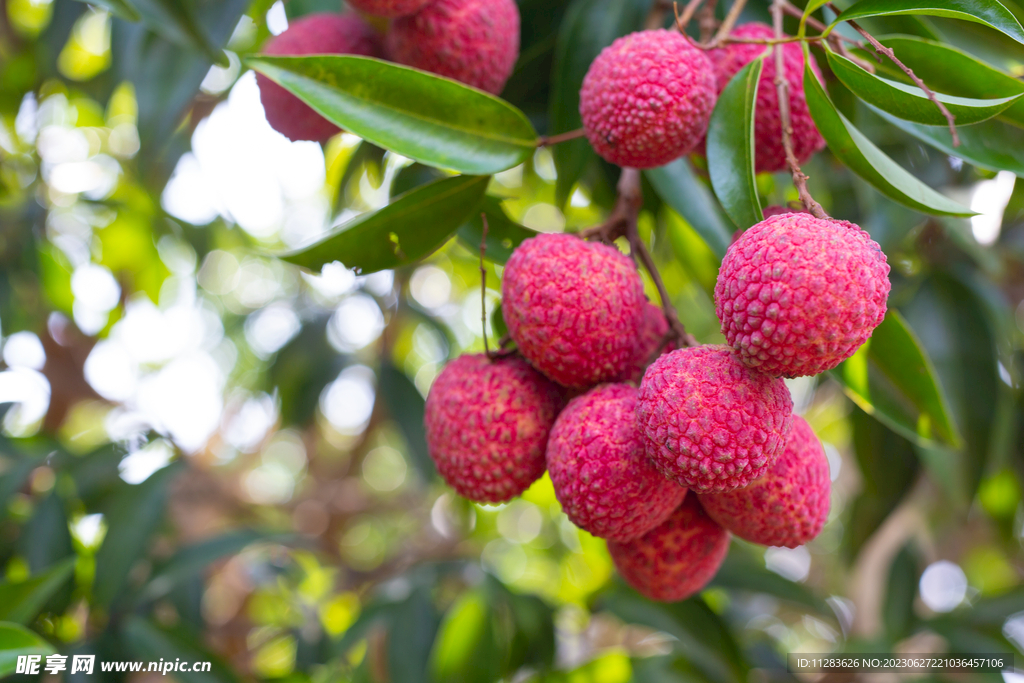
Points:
[(12, 480), (368, 158), (589, 27), (731, 147), (744, 574), (412, 176), (301, 370), (20, 602), (46, 538), (406, 405), (503, 234), (17, 641), (891, 378), (135, 514), (498, 322), (119, 8), (419, 115), (898, 608), (909, 102), (404, 231), (149, 643), (680, 188), (988, 12), (179, 23), (411, 635), (861, 155)]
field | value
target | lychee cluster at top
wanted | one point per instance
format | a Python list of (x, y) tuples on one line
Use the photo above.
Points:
[(475, 42)]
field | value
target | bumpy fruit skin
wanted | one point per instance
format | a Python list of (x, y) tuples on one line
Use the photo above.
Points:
[(769, 154), (647, 99), (600, 474), (487, 426), (572, 308), (797, 295), (650, 338), (313, 34), (709, 422), (389, 8), (788, 506), (676, 559), (475, 42)]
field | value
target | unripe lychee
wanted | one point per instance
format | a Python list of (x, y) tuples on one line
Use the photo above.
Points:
[(573, 308), (487, 424), (597, 465), (708, 421), (475, 42), (650, 339), (313, 34), (788, 506), (770, 155), (676, 559), (647, 99), (797, 295), (389, 8)]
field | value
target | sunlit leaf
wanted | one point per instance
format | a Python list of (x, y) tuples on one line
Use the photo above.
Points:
[(20, 602), (988, 12), (731, 147), (861, 155), (680, 188), (17, 641), (419, 115), (404, 231)]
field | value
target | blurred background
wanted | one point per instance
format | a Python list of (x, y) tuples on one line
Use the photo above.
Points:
[(210, 454)]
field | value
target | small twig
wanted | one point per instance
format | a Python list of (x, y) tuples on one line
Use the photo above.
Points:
[(837, 40), (483, 284), (888, 52), (782, 88), (548, 140), (683, 20), (708, 21), (726, 28)]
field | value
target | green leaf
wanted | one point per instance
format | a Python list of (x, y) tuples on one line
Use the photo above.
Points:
[(503, 234), (898, 608), (731, 147), (910, 102), (12, 480), (743, 574), (134, 515), (422, 116), (589, 26), (411, 635), (121, 9), (406, 406), (987, 12), (149, 643), (20, 602), (892, 379), (812, 7), (861, 155), (680, 188), (410, 227), (992, 145), (17, 641), (464, 650), (177, 22)]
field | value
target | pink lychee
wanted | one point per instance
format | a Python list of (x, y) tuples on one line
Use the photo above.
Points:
[(389, 8), (475, 42), (770, 155), (676, 559), (797, 295), (573, 308), (487, 424), (597, 465), (787, 506), (312, 34), (647, 98), (708, 421)]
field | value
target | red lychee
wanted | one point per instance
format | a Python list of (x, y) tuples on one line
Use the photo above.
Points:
[(647, 99), (487, 424), (788, 506), (389, 8), (597, 465), (676, 559), (573, 308), (650, 339), (797, 295), (708, 421), (769, 154), (313, 34), (475, 42)]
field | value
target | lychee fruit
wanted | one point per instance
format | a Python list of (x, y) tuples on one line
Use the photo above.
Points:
[(573, 308), (312, 34), (676, 559), (797, 295), (647, 98), (487, 424), (708, 421), (597, 465), (389, 8), (787, 506), (650, 341), (769, 153), (475, 42)]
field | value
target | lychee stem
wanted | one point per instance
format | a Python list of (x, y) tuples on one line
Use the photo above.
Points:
[(782, 87), (683, 20), (726, 28), (548, 140)]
